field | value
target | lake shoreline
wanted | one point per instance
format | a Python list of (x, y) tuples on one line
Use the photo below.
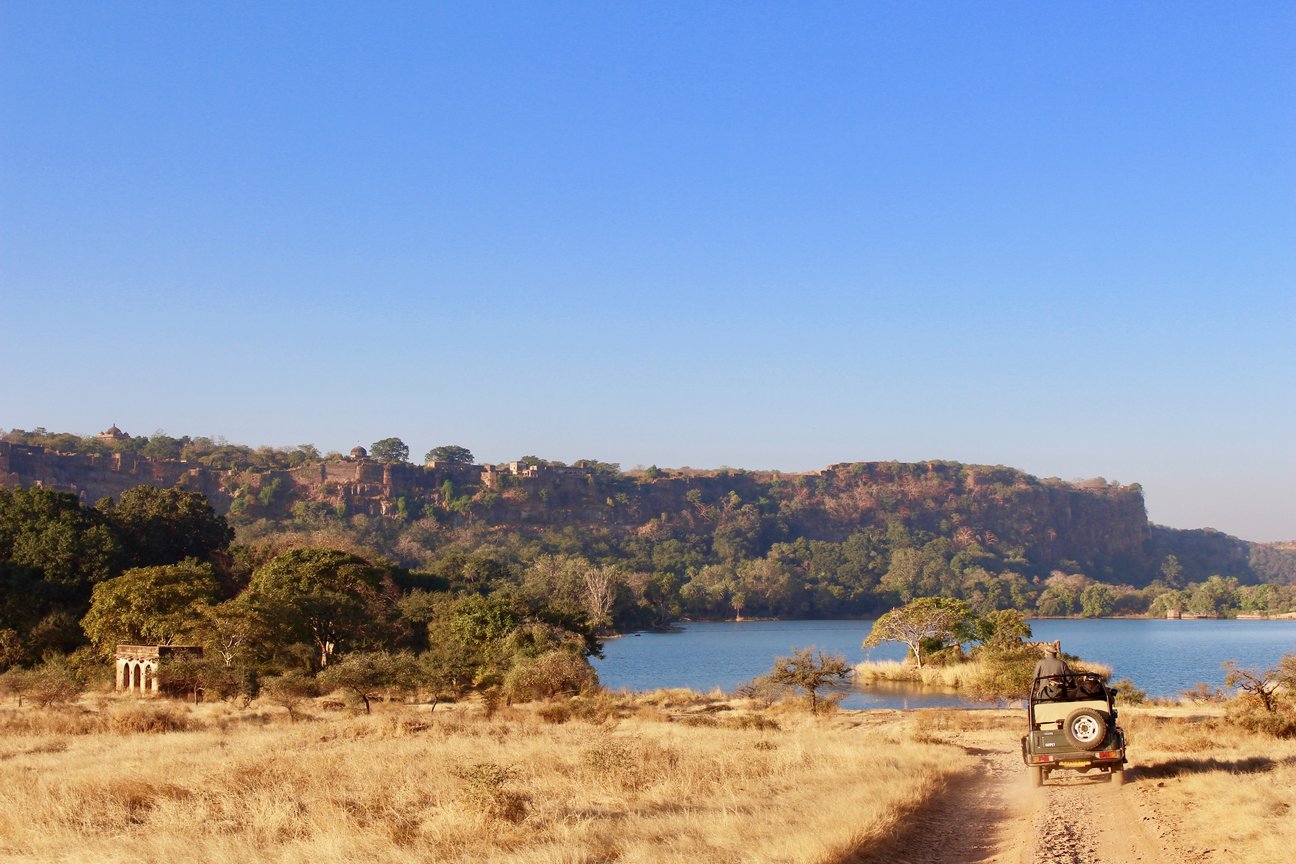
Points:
[(1162, 657)]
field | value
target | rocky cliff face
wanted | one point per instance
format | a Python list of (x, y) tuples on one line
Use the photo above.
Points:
[(1094, 526), (1097, 523)]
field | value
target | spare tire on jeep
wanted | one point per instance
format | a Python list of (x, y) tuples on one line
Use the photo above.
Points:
[(1086, 728)]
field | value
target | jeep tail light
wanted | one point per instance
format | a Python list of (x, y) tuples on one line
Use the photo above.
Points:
[(1109, 754), (1041, 758)]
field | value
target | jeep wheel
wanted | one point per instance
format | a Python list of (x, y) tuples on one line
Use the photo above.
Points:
[(1085, 728), (1037, 776), (1118, 776)]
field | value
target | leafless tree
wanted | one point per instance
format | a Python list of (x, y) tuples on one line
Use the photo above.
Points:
[(1253, 682), (598, 591)]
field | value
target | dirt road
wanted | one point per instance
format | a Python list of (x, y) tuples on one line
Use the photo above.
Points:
[(992, 815)]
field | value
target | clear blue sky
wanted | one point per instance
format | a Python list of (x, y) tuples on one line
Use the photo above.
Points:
[(1060, 237)]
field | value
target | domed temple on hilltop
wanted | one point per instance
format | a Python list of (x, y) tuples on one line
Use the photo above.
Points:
[(112, 433)]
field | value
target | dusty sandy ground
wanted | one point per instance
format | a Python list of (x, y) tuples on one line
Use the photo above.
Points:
[(992, 815)]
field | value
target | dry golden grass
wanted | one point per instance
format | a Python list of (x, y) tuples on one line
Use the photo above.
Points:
[(406, 785), (1221, 787)]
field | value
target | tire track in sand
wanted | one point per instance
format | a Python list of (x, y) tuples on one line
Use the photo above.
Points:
[(991, 815)]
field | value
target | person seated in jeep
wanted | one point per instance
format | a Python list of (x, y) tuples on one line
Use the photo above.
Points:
[(1050, 664)]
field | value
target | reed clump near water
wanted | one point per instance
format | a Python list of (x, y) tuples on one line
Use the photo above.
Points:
[(650, 778), (987, 675)]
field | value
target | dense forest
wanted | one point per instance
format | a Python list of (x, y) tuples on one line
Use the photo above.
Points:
[(544, 558)]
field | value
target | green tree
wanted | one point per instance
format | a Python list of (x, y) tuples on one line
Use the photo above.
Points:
[(228, 631), (809, 670), (1003, 628), (1215, 596), (205, 678), (446, 670), (1172, 571), (390, 450), (50, 532), (553, 673), (304, 454), (492, 633), (289, 690), (772, 585), (1167, 602), (451, 453), (25, 598), (163, 446), (53, 682), (329, 599), (370, 675), (1097, 601), (919, 572), (739, 536), (150, 605), (922, 620), (713, 588), (1061, 595), (659, 594), (165, 526)]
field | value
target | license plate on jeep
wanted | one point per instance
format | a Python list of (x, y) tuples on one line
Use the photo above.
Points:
[(1072, 764)]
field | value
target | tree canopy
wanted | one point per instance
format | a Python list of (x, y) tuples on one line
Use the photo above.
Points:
[(451, 453), (150, 605), (926, 618), (164, 526), (390, 450), (330, 599), (51, 533)]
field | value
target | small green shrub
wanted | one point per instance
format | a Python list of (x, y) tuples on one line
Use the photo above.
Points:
[(54, 682), (939, 654), (289, 690)]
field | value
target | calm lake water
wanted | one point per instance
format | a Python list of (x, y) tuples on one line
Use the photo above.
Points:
[(1162, 657)]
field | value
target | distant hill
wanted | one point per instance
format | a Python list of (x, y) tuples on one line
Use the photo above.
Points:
[(1010, 518)]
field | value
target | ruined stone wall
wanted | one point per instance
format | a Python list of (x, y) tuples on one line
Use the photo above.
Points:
[(99, 476)]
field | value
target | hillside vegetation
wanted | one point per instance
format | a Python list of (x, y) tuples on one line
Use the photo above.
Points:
[(587, 546)]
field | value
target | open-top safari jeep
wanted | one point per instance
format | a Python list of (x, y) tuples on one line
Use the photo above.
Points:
[(1072, 721)]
